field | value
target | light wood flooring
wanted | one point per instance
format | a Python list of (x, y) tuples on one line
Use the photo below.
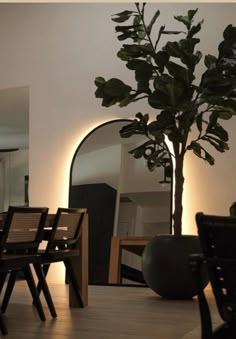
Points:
[(113, 313)]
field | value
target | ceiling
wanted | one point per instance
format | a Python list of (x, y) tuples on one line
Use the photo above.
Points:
[(14, 118)]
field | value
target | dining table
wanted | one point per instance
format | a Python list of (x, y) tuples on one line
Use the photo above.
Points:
[(80, 263), (133, 244)]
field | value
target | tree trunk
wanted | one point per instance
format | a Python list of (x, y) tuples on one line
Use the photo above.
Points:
[(178, 208)]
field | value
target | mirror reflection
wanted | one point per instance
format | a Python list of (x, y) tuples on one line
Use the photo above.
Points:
[(123, 198)]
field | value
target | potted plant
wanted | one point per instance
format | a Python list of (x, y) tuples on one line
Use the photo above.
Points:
[(188, 112)]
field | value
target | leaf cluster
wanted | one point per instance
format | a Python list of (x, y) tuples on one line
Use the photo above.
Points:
[(165, 77)]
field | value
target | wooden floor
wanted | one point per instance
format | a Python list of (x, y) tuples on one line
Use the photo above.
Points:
[(113, 313)]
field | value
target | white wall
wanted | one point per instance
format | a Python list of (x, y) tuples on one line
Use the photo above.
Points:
[(104, 166), (136, 177), (101, 166), (57, 50)]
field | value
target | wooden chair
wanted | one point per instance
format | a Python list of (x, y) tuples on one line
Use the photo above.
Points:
[(20, 237), (62, 246), (217, 237)]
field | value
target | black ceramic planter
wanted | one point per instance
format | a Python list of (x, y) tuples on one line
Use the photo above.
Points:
[(165, 265)]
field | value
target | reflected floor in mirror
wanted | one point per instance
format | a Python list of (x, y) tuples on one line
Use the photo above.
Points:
[(113, 313)]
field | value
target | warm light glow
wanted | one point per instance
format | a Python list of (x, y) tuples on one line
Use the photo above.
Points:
[(188, 221), (72, 147), (170, 146), (193, 196), (57, 272), (84, 133)]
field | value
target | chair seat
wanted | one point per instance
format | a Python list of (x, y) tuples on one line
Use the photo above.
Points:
[(17, 261), (59, 255)]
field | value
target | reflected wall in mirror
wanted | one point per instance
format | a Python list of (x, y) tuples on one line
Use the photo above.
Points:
[(14, 145), (123, 198)]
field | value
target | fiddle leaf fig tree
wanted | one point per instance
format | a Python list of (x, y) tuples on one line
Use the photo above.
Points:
[(189, 111)]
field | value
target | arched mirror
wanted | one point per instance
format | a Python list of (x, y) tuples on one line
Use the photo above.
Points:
[(123, 198)]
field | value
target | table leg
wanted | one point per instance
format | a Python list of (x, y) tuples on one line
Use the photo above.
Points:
[(81, 267), (115, 260)]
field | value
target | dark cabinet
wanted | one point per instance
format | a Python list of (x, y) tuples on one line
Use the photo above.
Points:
[(100, 200)]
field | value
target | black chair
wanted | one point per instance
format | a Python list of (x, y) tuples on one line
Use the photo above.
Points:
[(218, 241), (62, 246), (20, 236)]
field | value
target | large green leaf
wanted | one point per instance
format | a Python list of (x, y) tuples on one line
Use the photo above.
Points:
[(161, 58), (217, 86), (136, 126), (191, 60), (99, 93), (186, 19), (184, 50), (143, 71), (159, 100), (109, 101), (128, 32), (223, 113), (143, 87), (139, 28), (196, 147), (191, 13), (161, 29), (209, 158), (100, 81), (127, 35), (188, 45), (152, 22), (133, 51), (219, 131), (123, 55), (164, 120), (172, 49), (111, 91), (210, 61), (142, 117), (123, 16), (180, 72), (171, 87), (116, 88), (221, 102), (218, 144), (132, 63), (128, 99), (194, 30)]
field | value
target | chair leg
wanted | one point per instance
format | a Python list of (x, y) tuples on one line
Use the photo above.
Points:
[(3, 326), (3, 277), (45, 269), (9, 289), (44, 287), (205, 314), (224, 331), (33, 289), (73, 281)]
